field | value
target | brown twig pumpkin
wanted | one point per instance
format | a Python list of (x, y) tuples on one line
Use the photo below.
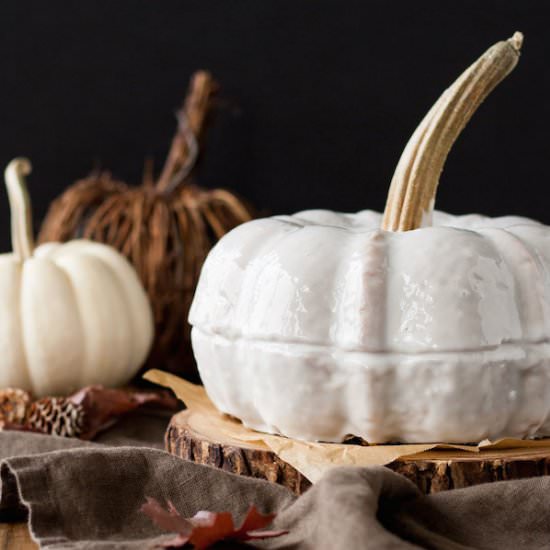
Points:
[(165, 228)]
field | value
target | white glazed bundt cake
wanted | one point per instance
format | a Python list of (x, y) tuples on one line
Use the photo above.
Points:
[(412, 326)]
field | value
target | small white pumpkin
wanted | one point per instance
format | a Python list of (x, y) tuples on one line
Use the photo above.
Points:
[(407, 327), (71, 314)]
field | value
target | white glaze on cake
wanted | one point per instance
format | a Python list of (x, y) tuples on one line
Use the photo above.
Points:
[(320, 325)]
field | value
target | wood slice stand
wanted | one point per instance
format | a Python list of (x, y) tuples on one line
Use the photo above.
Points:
[(436, 471)]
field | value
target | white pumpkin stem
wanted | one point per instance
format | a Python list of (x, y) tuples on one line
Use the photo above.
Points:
[(20, 207), (412, 191)]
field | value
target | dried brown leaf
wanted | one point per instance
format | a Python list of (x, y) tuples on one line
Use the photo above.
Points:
[(104, 405)]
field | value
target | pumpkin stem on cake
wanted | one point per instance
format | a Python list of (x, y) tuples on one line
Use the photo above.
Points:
[(20, 206), (412, 191)]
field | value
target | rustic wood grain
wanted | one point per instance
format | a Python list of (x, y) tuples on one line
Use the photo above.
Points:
[(443, 470), (242, 459)]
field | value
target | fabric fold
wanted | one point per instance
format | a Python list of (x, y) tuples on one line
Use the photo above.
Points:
[(88, 496)]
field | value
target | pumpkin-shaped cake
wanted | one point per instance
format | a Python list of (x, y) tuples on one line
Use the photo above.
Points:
[(409, 326)]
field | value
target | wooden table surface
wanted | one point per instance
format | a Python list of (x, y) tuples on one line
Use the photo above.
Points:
[(15, 536)]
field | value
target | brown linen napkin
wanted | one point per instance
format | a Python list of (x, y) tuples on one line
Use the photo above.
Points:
[(140, 428), (375, 508), (88, 495)]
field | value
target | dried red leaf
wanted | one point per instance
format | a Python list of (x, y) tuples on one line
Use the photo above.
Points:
[(206, 528), (170, 519)]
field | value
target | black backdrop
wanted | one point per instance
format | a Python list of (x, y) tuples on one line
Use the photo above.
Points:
[(321, 96)]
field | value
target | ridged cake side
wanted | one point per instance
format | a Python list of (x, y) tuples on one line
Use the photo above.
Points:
[(319, 394)]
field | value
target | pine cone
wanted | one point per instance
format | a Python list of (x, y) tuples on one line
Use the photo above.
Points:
[(56, 416), (14, 404), (83, 414)]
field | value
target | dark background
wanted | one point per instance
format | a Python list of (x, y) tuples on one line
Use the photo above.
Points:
[(321, 96)]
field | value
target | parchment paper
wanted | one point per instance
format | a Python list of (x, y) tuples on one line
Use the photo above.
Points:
[(314, 459)]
